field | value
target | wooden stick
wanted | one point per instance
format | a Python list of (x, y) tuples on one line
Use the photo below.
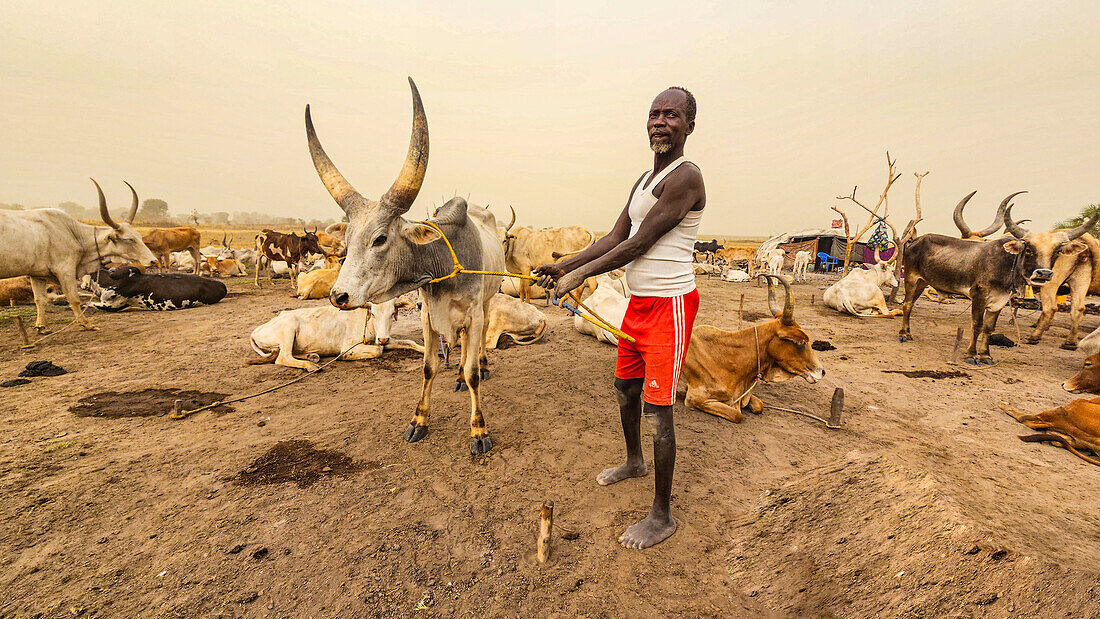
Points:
[(23, 332), (958, 343), (740, 311), (811, 299), (836, 408), (546, 525)]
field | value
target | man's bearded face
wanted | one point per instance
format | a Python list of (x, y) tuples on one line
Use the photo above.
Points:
[(668, 125)]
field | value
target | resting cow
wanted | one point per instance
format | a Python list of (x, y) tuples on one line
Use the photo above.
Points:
[(389, 255), (317, 284), (609, 301), (526, 248), (518, 320), (722, 367), (326, 331), (986, 273), (1087, 379), (122, 287), (859, 293), (735, 275), (1075, 426)]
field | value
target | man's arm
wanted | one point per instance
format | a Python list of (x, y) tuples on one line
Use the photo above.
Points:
[(682, 190)]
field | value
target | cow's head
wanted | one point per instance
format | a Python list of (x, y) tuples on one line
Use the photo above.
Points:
[(970, 235), (790, 349), (1087, 379), (1037, 251), (884, 270), (507, 239), (381, 262), (121, 243), (383, 315)]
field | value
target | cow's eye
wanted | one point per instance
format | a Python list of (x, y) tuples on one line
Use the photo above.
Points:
[(379, 240)]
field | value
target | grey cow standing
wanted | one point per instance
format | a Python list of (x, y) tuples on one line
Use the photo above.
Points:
[(47, 244), (388, 256)]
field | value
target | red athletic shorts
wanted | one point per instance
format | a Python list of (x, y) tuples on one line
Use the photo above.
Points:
[(661, 328)]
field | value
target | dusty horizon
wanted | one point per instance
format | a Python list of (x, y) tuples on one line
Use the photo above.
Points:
[(544, 107)]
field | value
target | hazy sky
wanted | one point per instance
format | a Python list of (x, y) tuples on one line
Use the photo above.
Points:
[(543, 105)]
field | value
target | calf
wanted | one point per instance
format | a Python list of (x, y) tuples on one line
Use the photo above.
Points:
[(859, 293), (1087, 379), (317, 284), (163, 241), (518, 320), (987, 273), (735, 275), (609, 301), (222, 267), (802, 261), (722, 367), (327, 331), (1075, 426), (775, 261), (122, 287), (274, 246)]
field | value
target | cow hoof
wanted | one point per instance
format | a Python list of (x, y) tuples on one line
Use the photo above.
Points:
[(313, 357), (460, 385), (1069, 346), (313, 368), (414, 433), (971, 360), (484, 373), (905, 338), (1031, 340), (480, 445)]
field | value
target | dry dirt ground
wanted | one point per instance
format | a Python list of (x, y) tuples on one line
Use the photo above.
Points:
[(307, 503)]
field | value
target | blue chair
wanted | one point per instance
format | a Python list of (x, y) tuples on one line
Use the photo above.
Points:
[(828, 263)]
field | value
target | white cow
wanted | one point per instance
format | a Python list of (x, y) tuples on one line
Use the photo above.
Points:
[(735, 275), (48, 245), (775, 261), (327, 331), (182, 260), (1090, 344), (859, 293), (522, 322), (610, 303), (802, 261)]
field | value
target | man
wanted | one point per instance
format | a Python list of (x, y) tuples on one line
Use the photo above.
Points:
[(654, 238)]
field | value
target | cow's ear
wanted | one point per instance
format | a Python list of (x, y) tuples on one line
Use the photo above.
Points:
[(420, 234), (1014, 246), (1076, 247)]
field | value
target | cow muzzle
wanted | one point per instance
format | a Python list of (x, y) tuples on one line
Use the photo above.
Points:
[(1041, 276), (340, 300), (816, 375), (382, 341)]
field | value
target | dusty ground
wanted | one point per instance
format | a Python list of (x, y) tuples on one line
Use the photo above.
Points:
[(306, 502)]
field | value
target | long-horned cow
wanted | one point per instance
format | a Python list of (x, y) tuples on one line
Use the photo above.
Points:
[(987, 273), (859, 293), (526, 248), (722, 367), (388, 255), (49, 245)]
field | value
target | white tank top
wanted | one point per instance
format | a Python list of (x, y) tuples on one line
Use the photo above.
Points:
[(664, 270)]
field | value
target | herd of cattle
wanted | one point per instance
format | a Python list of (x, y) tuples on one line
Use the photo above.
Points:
[(379, 262)]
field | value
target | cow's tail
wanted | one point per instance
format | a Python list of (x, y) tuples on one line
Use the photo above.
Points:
[(265, 357), (1061, 440), (591, 239)]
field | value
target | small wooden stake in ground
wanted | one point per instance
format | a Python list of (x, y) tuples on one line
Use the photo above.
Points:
[(836, 408), (546, 525), (811, 299), (958, 343), (23, 332), (740, 310)]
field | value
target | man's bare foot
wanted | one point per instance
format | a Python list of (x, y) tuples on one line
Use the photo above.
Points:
[(648, 532), (624, 471)]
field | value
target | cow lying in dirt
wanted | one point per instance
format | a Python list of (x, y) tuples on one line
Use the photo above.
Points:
[(518, 320), (1087, 379), (722, 367), (122, 287), (1075, 426), (609, 301), (18, 291), (317, 284), (327, 331), (859, 293)]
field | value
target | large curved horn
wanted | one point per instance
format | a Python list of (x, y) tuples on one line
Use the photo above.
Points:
[(134, 206), (1083, 228), (773, 303), (508, 228), (998, 219), (959, 222), (1013, 228), (788, 304), (103, 207), (338, 187), (403, 191)]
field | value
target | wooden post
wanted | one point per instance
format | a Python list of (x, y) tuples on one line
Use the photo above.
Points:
[(958, 343), (23, 332), (546, 526), (836, 408), (740, 311), (811, 299)]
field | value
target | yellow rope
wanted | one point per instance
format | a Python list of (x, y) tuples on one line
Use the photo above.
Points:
[(589, 315)]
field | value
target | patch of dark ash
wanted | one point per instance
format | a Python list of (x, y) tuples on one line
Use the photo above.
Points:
[(300, 462), (396, 360), (929, 373), (144, 403)]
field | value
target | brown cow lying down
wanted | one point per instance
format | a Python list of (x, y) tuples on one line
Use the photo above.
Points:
[(1087, 380), (722, 366), (17, 291), (1075, 426)]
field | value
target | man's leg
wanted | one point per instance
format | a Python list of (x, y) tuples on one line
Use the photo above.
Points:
[(629, 393), (658, 525)]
